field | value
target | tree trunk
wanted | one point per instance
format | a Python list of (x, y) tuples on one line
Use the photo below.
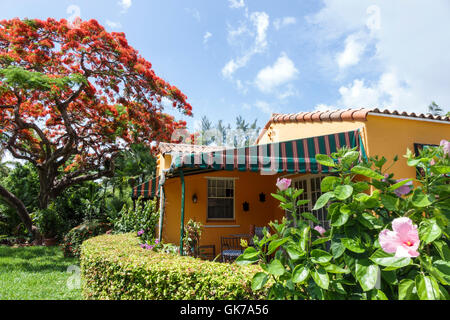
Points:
[(22, 211)]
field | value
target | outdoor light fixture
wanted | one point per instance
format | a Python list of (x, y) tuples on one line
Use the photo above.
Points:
[(246, 206), (262, 197), (194, 198)]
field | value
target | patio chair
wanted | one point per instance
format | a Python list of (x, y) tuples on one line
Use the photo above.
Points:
[(230, 248)]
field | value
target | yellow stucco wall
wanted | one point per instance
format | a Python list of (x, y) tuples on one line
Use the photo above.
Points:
[(390, 136), (291, 131)]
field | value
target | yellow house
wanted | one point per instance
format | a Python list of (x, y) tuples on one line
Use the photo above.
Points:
[(228, 190)]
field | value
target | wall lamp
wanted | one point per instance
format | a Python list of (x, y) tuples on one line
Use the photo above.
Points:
[(194, 198)]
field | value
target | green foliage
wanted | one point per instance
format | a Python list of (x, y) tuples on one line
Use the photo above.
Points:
[(75, 237), (48, 221), (21, 180), (144, 217), (347, 261), (115, 267), (192, 234)]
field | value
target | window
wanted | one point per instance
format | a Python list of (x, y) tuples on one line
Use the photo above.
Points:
[(312, 192), (220, 199)]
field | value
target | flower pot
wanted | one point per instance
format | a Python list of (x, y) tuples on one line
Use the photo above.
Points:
[(48, 242)]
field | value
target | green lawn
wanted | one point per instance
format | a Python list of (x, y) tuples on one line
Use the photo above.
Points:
[(36, 273)]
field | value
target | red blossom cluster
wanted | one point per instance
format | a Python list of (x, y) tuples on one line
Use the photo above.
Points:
[(81, 94), (110, 93)]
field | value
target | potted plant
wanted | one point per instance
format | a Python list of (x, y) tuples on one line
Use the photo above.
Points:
[(49, 222)]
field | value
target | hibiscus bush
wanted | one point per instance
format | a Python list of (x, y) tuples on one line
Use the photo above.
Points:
[(388, 238)]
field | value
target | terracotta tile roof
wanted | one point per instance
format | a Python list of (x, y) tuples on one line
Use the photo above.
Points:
[(165, 147), (343, 115)]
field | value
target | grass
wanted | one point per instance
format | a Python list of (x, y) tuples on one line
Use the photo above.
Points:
[(37, 273)]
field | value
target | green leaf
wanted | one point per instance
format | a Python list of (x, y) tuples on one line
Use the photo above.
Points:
[(429, 231), (367, 172), (339, 218), (376, 294), (300, 274), (440, 169), (310, 216), (259, 280), (325, 160), (407, 290), (275, 244), (369, 221), (361, 186), (398, 184), (279, 197), (443, 249), (353, 245), (320, 256), (294, 252), (419, 199), (427, 288), (327, 183), (388, 260), (337, 249), (343, 192), (249, 256), (276, 268), (443, 268), (323, 200), (389, 202), (366, 274), (350, 157), (332, 268), (320, 277), (320, 241)]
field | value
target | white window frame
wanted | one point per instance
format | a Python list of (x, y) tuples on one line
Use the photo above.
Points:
[(232, 179), (308, 192)]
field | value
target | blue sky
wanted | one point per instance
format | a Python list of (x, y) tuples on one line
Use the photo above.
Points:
[(255, 57)]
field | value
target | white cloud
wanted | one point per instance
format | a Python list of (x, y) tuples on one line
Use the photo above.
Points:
[(281, 72), (280, 23), (236, 3), (354, 48), (113, 25), (260, 24), (323, 107), (206, 36), (125, 5), (405, 47)]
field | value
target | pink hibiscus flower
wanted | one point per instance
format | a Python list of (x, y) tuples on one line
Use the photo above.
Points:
[(403, 240), (320, 230), (283, 184)]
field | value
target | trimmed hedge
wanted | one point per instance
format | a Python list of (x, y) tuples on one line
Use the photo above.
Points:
[(116, 267)]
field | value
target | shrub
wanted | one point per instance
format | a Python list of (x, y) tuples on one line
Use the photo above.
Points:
[(75, 237), (359, 257), (144, 217), (115, 267), (48, 221), (192, 233)]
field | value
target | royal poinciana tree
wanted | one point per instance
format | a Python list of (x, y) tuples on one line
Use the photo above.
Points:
[(72, 96)]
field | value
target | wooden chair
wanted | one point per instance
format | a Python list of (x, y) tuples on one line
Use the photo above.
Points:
[(230, 248)]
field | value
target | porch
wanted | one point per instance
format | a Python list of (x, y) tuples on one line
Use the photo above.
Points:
[(230, 196)]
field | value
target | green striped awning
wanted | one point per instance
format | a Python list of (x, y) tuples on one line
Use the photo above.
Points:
[(147, 190), (295, 156)]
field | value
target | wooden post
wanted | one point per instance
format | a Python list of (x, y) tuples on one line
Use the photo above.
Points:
[(182, 212)]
